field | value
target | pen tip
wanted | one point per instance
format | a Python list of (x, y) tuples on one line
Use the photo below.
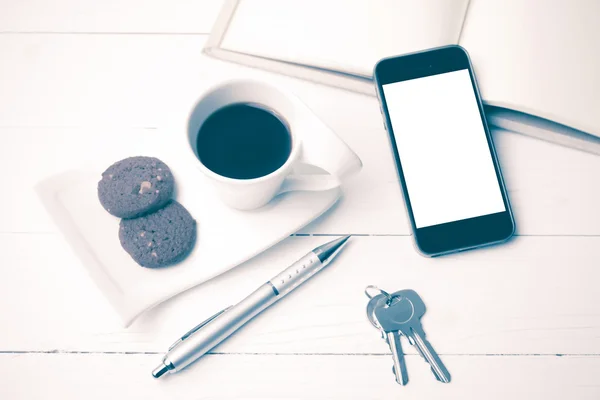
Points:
[(329, 250), (340, 241), (160, 371)]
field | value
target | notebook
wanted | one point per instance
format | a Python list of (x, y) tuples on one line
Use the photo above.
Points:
[(537, 61)]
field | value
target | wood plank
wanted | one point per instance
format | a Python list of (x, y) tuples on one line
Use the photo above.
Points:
[(59, 91), (109, 16), (535, 295), (96, 80), (101, 376), (551, 195)]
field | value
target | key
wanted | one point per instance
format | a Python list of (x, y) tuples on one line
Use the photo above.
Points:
[(404, 316), (392, 338), (376, 300)]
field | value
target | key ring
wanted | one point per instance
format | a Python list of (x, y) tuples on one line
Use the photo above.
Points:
[(389, 298), (373, 288)]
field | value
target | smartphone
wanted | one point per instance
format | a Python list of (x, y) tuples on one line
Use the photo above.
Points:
[(445, 157)]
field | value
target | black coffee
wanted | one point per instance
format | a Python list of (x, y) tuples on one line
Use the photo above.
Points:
[(243, 141)]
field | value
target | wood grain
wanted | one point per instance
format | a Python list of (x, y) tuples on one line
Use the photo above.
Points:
[(94, 376), (520, 320), (535, 295), (63, 95), (372, 203)]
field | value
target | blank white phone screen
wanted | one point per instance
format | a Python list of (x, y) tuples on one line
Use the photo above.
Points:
[(443, 149)]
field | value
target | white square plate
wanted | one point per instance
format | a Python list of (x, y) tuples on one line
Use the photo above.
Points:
[(226, 237)]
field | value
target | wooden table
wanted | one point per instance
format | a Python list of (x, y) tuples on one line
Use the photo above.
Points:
[(521, 320)]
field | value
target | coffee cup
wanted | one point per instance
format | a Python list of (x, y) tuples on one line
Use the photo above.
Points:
[(252, 140)]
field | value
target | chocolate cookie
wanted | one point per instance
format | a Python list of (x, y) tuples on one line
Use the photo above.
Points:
[(135, 186), (161, 238)]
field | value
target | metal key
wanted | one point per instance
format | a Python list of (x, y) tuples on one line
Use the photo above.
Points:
[(404, 316), (392, 338)]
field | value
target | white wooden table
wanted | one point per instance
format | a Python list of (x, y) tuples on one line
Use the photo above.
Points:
[(520, 320)]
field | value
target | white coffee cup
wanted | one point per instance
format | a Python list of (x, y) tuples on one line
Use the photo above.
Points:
[(313, 143)]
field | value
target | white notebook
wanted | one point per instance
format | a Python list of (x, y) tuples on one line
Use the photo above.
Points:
[(539, 58)]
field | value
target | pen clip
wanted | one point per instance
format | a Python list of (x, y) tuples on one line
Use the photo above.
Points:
[(194, 329)]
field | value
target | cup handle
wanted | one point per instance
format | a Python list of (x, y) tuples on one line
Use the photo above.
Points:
[(322, 148), (315, 183)]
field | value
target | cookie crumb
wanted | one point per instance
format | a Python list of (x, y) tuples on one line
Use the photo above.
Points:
[(159, 178), (149, 244), (154, 254), (145, 186), (142, 233)]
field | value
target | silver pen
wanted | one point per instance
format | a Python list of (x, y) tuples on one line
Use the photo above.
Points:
[(217, 328)]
